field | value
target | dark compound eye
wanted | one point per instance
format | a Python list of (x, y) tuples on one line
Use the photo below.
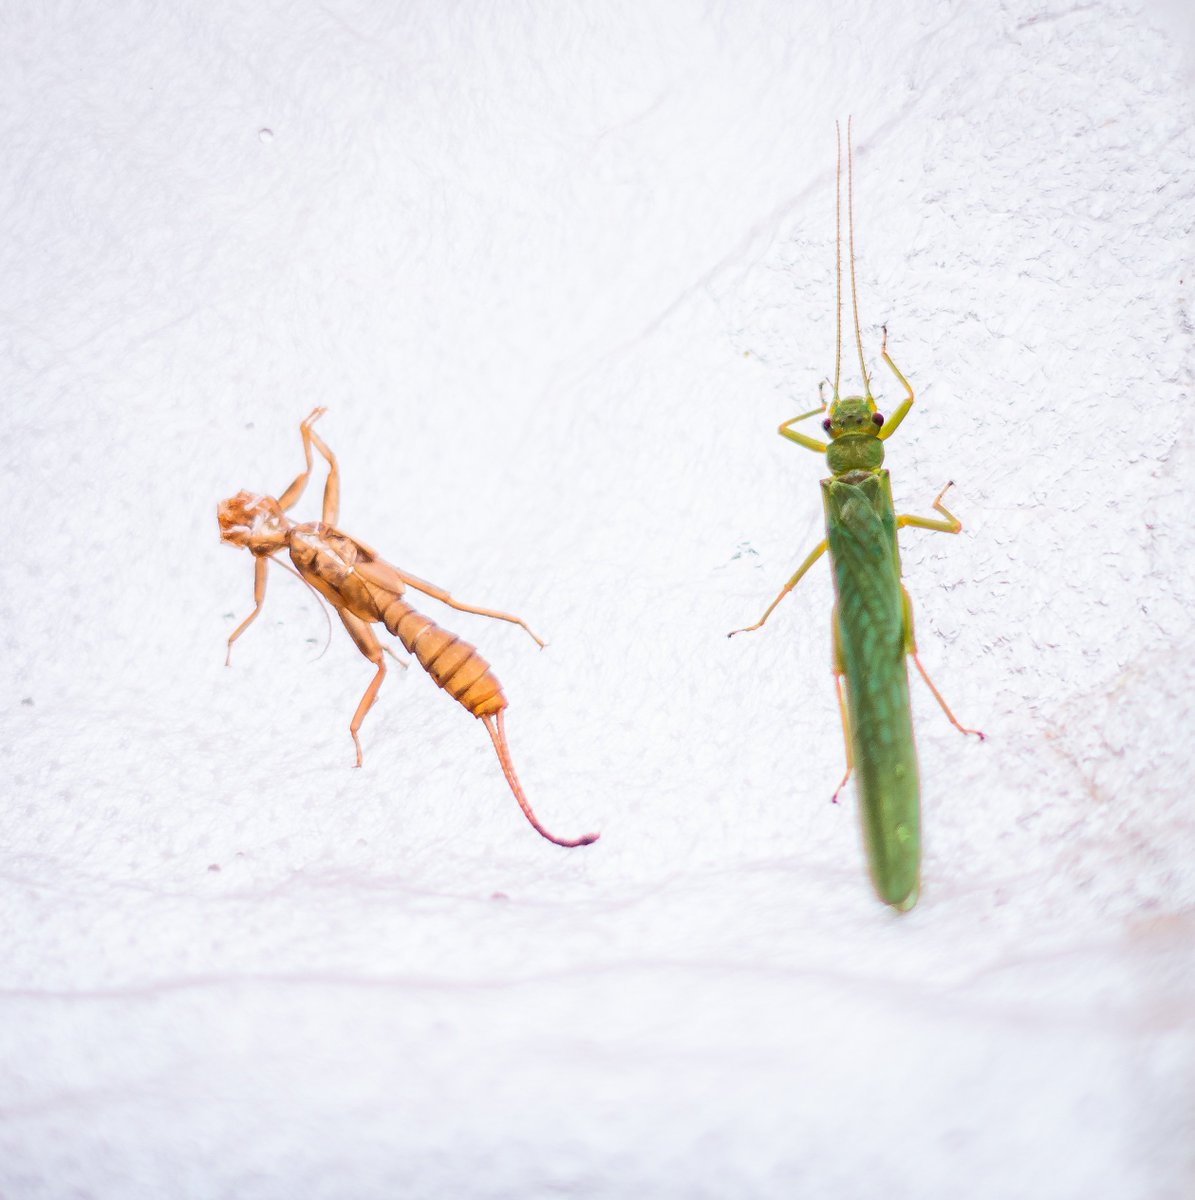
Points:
[(877, 419), (826, 424)]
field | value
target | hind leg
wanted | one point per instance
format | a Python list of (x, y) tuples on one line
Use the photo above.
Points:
[(839, 676), (911, 651)]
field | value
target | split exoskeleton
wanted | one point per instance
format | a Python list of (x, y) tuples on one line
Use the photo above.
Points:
[(364, 589)]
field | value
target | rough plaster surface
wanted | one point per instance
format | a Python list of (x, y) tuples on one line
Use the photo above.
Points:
[(558, 271)]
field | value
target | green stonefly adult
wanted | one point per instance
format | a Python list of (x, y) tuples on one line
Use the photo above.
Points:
[(873, 617)]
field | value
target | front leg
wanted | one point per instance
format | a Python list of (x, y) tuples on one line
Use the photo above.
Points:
[(802, 439), (290, 497), (331, 511), (890, 426), (261, 566)]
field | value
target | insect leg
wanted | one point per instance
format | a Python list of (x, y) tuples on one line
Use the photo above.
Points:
[(430, 589), (951, 525), (814, 555), (261, 566), (890, 425), (331, 509), (803, 439), (911, 651), (368, 644), (290, 497), (839, 674)]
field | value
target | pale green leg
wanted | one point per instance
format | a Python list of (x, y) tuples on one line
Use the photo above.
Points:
[(839, 675), (951, 525), (802, 439), (809, 443), (814, 555), (891, 424)]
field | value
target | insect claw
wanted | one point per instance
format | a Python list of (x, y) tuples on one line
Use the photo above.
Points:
[(841, 784)]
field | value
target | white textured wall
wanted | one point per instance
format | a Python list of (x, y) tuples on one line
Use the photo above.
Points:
[(558, 271)]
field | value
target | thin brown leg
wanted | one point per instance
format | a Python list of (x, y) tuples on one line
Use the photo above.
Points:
[(261, 566), (331, 512), (290, 497), (369, 645), (437, 593), (945, 707)]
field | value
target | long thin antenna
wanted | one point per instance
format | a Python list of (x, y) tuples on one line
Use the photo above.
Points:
[(838, 252), (322, 603), (850, 212)]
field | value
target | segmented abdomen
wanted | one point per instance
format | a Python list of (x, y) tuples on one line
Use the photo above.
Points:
[(451, 662)]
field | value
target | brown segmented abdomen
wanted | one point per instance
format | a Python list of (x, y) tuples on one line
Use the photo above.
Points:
[(451, 662)]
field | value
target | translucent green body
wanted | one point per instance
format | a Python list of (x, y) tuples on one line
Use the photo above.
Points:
[(872, 639)]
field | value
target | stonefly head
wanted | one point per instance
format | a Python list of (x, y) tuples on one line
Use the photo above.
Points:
[(255, 522), (853, 415)]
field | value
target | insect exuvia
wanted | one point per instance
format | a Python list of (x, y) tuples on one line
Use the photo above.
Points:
[(873, 617), (364, 588)]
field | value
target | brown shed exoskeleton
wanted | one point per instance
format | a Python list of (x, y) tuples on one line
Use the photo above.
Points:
[(364, 588)]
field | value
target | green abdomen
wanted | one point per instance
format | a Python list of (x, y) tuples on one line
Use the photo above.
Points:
[(861, 530)]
